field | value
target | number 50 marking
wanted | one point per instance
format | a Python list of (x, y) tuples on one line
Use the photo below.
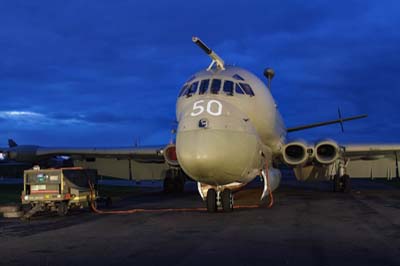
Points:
[(198, 108)]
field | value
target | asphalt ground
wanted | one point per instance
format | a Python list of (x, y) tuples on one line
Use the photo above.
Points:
[(308, 225)]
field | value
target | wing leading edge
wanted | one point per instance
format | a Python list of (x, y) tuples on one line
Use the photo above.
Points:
[(32, 153)]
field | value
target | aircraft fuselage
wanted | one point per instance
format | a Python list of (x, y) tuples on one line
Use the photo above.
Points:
[(229, 125)]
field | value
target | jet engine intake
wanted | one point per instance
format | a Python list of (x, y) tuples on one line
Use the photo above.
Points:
[(326, 152), (296, 153), (170, 155)]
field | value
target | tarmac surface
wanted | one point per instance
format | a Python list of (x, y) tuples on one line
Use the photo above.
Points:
[(308, 225)]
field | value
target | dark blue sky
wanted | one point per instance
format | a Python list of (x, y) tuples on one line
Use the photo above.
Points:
[(107, 72)]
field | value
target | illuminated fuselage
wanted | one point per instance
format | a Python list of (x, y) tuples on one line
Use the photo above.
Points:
[(228, 126)]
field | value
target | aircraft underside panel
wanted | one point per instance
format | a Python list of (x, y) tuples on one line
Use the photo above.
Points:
[(379, 168), (313, 172), (120, 169)]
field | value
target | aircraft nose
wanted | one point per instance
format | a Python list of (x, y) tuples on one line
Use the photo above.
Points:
[(217, 150)]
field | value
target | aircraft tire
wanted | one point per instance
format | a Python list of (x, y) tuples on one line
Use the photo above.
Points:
[(336, 183), (173, 182), (179, 184), (211, 200), (169, 185), (227, 200), (346, 184)]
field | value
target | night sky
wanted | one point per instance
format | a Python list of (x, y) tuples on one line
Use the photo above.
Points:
[(107, 73)]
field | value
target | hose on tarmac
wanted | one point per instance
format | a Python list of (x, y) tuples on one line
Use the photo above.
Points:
[(142, 210)]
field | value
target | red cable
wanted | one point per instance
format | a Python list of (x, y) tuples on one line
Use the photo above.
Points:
[(137, 210)]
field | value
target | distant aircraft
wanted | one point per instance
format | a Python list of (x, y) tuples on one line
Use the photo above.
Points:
[(229, 132)]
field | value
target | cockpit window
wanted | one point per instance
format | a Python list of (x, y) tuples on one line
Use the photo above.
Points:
[(204, 86), (228, 87), (247, 89), (238, 89), (215, 86), (236, 76), (182, 92), (192, 89)]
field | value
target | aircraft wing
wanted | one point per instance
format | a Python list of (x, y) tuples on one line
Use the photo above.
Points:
[(370, 151), (372, 160), (32, 153), (150, 154)]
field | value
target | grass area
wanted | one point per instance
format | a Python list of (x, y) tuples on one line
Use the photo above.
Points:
[(10, 193)]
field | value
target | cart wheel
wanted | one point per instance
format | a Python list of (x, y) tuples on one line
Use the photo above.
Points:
[(62, 209)]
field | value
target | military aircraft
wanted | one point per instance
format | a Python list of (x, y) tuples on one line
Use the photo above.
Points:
[(229, 132)]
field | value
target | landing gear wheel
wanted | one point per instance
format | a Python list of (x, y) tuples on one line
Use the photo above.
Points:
[(179, 184), (336, 183), (211, 200), (174, 181), (62, 209), (169, 185), (346, 183), (227, 200)]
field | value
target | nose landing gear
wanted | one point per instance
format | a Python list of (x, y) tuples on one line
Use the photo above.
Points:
[(223, 199)]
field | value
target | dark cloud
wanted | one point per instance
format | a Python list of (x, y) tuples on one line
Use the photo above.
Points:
[(114, 118), (119, 65)]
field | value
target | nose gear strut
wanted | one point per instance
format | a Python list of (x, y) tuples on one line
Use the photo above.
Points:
[(267, 187)]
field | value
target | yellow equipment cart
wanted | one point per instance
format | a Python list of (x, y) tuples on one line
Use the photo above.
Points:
[(58, 189)]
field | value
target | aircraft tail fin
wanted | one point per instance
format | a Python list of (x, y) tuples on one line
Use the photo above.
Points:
[(12, 143)]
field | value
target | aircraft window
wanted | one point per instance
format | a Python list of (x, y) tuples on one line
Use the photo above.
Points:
[(228, 87), (215, 86), (236, 76), (183, 90), (247, 89), (192, 89), (238, 89), (204, 86)]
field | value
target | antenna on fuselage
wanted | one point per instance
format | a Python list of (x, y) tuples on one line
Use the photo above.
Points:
[(214, 57), (269, 73)]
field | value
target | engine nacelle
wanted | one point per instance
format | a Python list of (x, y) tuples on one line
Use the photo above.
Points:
[(170, 155), (326, 152), (297, 153)]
